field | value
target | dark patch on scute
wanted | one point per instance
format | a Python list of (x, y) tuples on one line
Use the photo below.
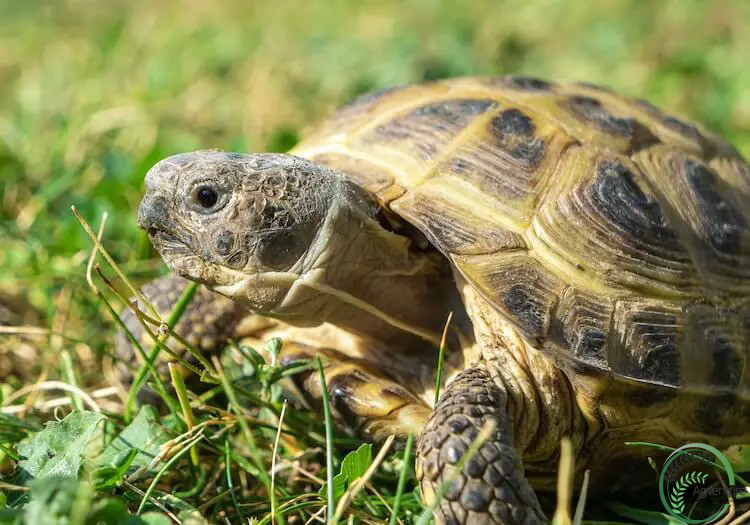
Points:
[(728, 365), (590, 346), (512, 121), (661, 361), (454, 108), (648, 343), (712, 413), (594, 87), (683, 128), (524, 309), (395, 391), (723, 224), (340, 389), (445, 226), (583, 368), (525, 83), (514, 132), (529, 153), (590, 110), (427, 128), (647, 106), (618, 196)]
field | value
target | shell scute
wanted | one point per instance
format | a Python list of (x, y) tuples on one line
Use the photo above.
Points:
[(425, 130), (581, 323), (645, 342), (713, 217), (604, 217), (518, 285)]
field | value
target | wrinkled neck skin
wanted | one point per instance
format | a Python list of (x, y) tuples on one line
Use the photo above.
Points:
[(365, 279)]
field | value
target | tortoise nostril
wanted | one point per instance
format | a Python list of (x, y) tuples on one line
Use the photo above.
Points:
[(152, 214)]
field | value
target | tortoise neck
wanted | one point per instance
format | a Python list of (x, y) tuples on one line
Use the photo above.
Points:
[(374, 283), (380, 285)]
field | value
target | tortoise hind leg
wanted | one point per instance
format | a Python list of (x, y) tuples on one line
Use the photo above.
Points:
[(491, 488), (366, 400)]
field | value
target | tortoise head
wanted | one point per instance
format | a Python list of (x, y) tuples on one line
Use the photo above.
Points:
[(249, 225)]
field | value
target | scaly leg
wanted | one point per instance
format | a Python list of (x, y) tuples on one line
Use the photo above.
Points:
[(491, 488), (367, 401)]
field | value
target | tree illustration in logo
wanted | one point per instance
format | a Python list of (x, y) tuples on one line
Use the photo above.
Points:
[(677, 496), (693, 483)]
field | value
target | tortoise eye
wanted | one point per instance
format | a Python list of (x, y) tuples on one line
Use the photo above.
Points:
[(205, 197)]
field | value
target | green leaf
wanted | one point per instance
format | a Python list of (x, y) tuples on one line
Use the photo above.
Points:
[(643, 516), (58, 450), (144, 435), (339, 487), (51, 501), (10, 517), (355, 464), (107, 510), (109, 477)]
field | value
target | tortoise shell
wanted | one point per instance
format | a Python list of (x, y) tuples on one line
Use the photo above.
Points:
[(613, 235)]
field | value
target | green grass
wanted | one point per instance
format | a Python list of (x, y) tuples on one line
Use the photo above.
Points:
[(93, 93)]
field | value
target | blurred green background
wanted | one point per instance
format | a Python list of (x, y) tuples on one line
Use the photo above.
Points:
[(93, 92)]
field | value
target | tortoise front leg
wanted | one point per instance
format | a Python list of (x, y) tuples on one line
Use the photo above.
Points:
[(370, 403), (492, 487)]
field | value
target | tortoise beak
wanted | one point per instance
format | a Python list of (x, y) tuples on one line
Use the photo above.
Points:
[(152, 214), (154, 218)]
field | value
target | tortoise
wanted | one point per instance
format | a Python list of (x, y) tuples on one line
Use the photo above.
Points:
[(593, 250)]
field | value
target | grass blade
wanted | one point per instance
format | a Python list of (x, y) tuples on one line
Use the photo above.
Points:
[(247, 434), (402, 479), (188, 446), (153, 353), (228, 473), (329, 442), (441, 358)]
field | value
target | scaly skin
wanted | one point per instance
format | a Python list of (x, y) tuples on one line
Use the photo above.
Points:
[(491, 488)]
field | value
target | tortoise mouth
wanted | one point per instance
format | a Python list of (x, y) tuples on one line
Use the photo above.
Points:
[(259, 290), (178, 255), (262, 291)]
